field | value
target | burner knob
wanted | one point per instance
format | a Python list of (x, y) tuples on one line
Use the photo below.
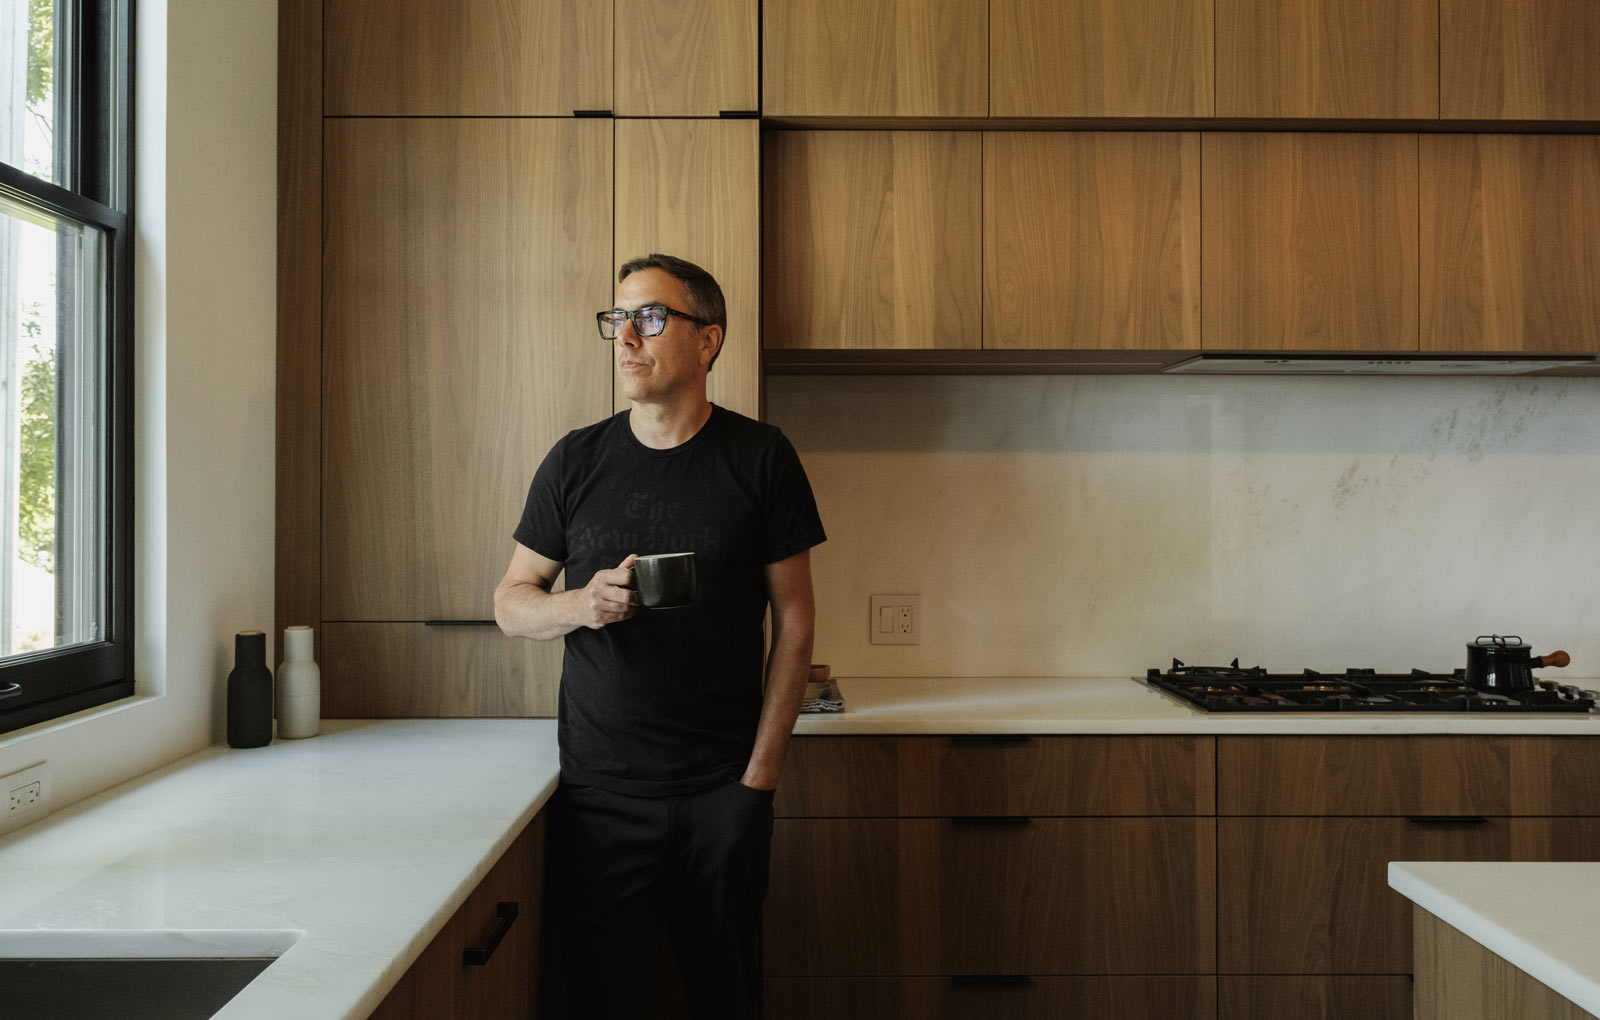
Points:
[(1571, 692), (1550, 685)]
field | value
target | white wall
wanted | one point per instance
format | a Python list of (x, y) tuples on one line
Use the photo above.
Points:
[(205, 193), (1102, 525)]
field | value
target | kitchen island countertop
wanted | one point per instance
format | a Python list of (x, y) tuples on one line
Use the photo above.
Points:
[(1112, 705), (359, 844)]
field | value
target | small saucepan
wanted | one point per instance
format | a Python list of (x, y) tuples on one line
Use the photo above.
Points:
[(1504, 664)]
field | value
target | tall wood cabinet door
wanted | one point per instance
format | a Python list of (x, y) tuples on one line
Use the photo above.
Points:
[(1511, 243), (466, 57), (408, 670), (888, 58), (1091, 240), (463, 263), (1100, 58), (1310, 241), (1532, 60), (873, 239), (1311, 895), (685, 58), (1327, 58), (691, 188)]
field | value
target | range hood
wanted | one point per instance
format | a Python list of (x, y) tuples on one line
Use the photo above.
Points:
[(1367, 364)]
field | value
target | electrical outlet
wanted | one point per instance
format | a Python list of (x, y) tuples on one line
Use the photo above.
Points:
[(27, 796), (895, 620)]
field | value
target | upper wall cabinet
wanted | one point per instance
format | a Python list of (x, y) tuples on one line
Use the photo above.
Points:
[(873, 239), (1091, 240), (1511, 243), (1100, 58), (691, 188), (1310, 241), (685, 58), (1328, 58), (1534, 59), (890, 58), (466, 57)]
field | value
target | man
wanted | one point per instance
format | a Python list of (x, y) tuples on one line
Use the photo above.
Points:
[(670, 751)]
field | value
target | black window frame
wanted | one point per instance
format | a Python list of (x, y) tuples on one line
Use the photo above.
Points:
[(93, 78)]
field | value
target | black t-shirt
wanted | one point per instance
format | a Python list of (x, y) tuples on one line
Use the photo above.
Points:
[(667, 701)]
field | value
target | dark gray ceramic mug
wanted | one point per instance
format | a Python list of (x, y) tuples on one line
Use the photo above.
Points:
[(664, 580)]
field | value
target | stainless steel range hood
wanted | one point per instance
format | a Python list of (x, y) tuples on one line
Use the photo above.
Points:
[(1367, 364)]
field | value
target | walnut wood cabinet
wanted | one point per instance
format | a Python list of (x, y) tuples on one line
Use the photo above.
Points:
[(1510, 243), (1535, 61), (932, 876), (442, 983)]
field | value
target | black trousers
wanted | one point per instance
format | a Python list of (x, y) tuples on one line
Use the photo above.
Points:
[(631, 874)]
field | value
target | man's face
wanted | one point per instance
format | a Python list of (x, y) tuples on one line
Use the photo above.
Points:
[(672, 364)]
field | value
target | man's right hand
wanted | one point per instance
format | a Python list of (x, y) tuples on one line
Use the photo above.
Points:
[(608, 597)]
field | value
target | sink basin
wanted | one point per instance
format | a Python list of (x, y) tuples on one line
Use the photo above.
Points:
[(130, 975)]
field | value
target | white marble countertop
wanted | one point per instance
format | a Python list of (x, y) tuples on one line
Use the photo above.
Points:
[(1543, 918), (1122, 705), (353, 848)]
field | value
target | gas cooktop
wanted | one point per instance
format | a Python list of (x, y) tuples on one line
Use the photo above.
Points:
[(1234, 688)]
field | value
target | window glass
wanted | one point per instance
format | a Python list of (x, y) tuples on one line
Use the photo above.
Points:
[(29, 30)]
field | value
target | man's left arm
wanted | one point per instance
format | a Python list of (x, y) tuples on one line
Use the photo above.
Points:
[(794, 615)]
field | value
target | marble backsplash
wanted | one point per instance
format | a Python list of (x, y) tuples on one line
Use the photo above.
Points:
[(1101, 525)]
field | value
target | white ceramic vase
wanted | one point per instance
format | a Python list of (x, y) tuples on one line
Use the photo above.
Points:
[(299, 702)]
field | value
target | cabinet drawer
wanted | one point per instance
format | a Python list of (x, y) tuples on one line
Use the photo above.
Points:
[(1555, 776), (1311, 895), (408, 670), (839, 776), (992, 896), (1343, 997), (1363, 776), (1044, 998)]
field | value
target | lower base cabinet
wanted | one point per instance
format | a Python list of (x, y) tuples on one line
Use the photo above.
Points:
[(1039, 998), (1314, 997), (441, 983)]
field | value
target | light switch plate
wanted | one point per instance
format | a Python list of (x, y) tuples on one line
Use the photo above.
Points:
[(895, 620)]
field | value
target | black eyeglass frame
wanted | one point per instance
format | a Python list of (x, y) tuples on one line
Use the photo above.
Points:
[(633, 317)]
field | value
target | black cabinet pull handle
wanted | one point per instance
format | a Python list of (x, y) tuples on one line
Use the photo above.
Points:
[(992, 821), (990, 738), (1447, 819), (459, 623), (10, 690), (991, 980), (505, 916)]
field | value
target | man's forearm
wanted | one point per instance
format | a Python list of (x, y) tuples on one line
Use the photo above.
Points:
[(787, 669), (527, 610)]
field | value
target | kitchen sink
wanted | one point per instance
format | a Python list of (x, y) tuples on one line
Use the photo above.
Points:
[(130, 975)]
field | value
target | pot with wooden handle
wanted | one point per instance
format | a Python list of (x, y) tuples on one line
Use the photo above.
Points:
[(1505, 665)]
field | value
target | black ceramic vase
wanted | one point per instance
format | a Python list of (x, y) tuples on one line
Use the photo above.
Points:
[(250, 692)]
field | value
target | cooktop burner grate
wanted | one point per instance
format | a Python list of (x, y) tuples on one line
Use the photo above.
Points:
[(1233, 688)]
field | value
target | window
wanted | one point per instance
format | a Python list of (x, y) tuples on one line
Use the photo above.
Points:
[(66, 503)]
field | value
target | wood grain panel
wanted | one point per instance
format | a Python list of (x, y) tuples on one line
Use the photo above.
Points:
[(1363, 776), (839, 776), (1311, 895), (1076, 896), (467, 57), (297, 590), (1533, 59), (464, 262), (902, 58), (1100, 58), (1327, 58), (1555, 776), (1510, 243), (1103, 998), (1555, 839), (685, 58), (407, 670), (1310, 241), (691, 188), (1091, 240), (1057, 776), (1458, 979), (1302, 997), (873, 239)]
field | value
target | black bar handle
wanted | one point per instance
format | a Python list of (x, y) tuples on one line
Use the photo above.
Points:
[(1447, 820), (991, 821), (459, 623), (740, 114), (990, 738), (505, 915), (591, 113), (991, 980), (10, 690)]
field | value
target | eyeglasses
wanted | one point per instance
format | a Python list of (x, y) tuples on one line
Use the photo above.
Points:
[(647, 321)]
